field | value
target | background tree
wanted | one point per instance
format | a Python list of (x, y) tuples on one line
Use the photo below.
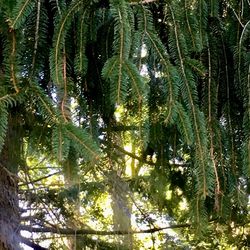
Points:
[(141, 108)]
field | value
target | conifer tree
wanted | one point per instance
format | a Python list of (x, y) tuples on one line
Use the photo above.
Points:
[(83, 81)]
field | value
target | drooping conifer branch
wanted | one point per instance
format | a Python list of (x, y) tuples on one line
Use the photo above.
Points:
[(201, 152), (64, 102), (13, 66), (36, 36), (21, 11), (211, 132)]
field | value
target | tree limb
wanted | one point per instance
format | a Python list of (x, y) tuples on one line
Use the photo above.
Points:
[(39, 179), (69, 231), (140, 159), (31, 243), (120, 128), (143, 2)]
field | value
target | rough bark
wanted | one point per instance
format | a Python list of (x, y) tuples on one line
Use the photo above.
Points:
[(9, 207), (9, 212), (121, 211)]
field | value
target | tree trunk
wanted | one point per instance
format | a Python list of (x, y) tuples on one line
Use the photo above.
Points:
[(121, 211), (9, 212), (9, 208)]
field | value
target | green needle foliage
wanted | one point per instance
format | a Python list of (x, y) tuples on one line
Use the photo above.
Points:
[(83, 81)]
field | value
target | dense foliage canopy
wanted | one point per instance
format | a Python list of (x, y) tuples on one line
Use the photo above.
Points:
[(127, 123)]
